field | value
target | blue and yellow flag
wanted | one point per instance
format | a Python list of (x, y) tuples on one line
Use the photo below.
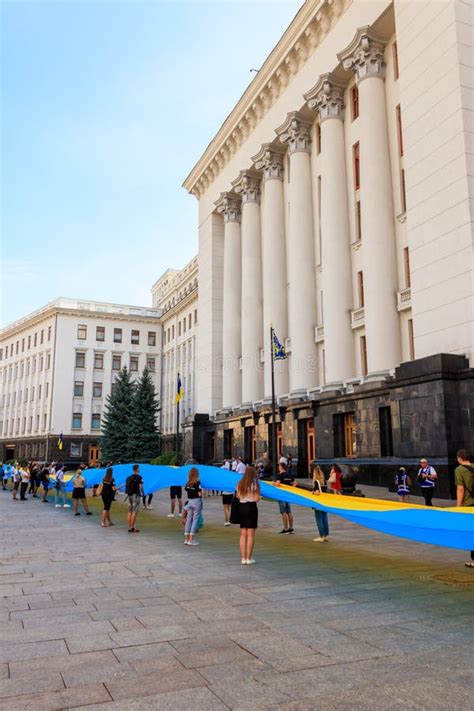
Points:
[(179, 389), (60, 441), (279, 352)]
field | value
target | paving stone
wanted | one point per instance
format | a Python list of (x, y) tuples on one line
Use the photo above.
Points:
[(79, 644), (197, 699), (46, 680), (68, 698), (63, 663), (32, 650), (146, 685), (143, 652)]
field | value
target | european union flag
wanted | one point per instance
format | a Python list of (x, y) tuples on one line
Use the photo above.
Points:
[(179, 389), (279, 352)]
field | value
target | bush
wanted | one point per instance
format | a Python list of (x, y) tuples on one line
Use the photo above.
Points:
[(168, 458)]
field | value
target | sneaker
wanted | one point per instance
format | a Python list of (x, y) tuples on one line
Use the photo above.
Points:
[(193, 543), (149, 507), (66, 506), (57, 506), (131, 530), (251, 561), (89, 513), (284, 531), (243, 561), (470, 564), (319, 540), (77, 514), (291, 530), (135, 530), (185, 542), (326, 539), (227, 523), (170, 515)]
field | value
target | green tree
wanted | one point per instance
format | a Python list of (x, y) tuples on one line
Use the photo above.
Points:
[(144, 433), (116, 422)]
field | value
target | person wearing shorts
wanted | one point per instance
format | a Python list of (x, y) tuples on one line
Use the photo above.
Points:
[(134, 491), (79, 494), (226, 503), (285, 509), (176, 492)]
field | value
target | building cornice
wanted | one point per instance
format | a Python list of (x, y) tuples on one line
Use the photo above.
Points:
[(307, 30)]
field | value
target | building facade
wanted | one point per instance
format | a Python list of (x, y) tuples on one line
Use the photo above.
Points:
[(335, 203), (57, 367), (175, 294)]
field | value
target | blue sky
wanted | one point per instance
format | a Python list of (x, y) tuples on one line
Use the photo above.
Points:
[(106, 107)]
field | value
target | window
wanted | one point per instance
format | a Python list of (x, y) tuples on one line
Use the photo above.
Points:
[(360, 289), (98, 361), (100, 333), (184, 325), (135, 340), (77, 421), (403, 197), (26, 395), (179, 328), (95, 422), (133, 363), (34, 367), (358, 221), (399, 131), (195, 316), (116, 362), (48, 361), (411, 339), (82, 332), (250, 443), (344, 432), (32, 394), (80, 360), (385, 430), (76, 449), (97, 390), (395, 60), (49, 333), (40, 387), (22, 369), (41, 363), (406, 265), (164, 337), (1, 353), (172, 331), (356, 164), (117, 335), (318, 139), (228, 443), (42, 336), (152, 338), (17, 346), (350, 435), (47, 390), (150, 364), (22, 345), (363, 355), (354, 103), (190, 322), (29, 342)]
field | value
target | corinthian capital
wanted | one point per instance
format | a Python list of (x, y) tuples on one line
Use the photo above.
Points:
[(228, 205), (295, 132), (269, 160), (247, 185), (365, 54), (327, 97)]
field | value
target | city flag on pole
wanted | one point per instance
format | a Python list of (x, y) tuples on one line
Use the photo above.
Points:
[(179, 389), (279, 352), (60, 441)]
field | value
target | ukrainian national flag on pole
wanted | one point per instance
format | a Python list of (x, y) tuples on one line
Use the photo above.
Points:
[(279, 352), (60, 441), (179, 390)]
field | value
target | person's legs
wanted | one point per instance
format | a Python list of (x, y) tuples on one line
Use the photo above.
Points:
[(250, 543), (75, 505), (325, 523), (243, 544), (195, 510), (150, 499), (319, 523), (226, 513), (23, 489), (85, 505), (172, 505), (290, 519), (180, 506), (427, 495), (56, 496), (189, 520)]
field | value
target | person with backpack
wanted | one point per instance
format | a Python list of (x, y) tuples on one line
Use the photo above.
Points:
[(134, 492), (464, 479), (107, 491), (402, 485), (427, 477)]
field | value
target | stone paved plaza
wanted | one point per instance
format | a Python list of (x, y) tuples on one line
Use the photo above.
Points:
[(101, 619)]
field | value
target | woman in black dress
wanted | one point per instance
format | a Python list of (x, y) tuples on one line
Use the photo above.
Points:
[(248, 493), (108, 495)]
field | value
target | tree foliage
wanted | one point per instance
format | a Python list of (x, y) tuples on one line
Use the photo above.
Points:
[(144, 434)]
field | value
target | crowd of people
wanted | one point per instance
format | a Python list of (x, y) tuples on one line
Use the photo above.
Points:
[(37, 480)]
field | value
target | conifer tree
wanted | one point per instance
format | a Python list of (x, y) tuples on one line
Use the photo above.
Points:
[(144, 434), (115, 442)]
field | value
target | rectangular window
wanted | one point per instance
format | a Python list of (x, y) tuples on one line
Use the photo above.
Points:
[(411, 339), (395, 60), (100, 333), (76, 449), (172, 331), (399, 130), (228, 444), (133, 363), (179, 328), (360, 289), (350, 435), (32, 394), (116, 362), (354, 103), (77, 421), (403, 196), (49, 333), (135, 340), (195, 316), (318, 139), (95, 422), (344, 433), (41, 363), (150, 364), (47, 390), (1, 353), (29, 342), (356, 165), (358, 221), (40, 387), (42, 336), (189, 321), (17, 346), (363, 355), (34, 368), (250, 443), (152, 338), (117, 335), (184, 325), (82, 332), (385, 429), (98, 361), (22, 345), (48, 361), (97, 390), (406, 266)]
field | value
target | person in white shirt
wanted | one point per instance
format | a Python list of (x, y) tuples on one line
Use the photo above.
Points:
[(427, 477), (240, 469)]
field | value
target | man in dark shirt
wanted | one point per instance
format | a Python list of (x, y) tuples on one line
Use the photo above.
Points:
[(464, 478), (284, 477), (134, 491)]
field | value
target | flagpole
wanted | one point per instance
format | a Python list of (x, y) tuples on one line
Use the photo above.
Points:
[(274, 442), (177, 421)]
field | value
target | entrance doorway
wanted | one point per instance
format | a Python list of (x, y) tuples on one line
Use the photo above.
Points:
[(9, 452), (93, 454), (306, 446)]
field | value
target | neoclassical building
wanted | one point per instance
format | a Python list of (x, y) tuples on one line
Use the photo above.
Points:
[(335, 202)]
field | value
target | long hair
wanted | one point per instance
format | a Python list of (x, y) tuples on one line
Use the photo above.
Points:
[(108, 476), (318, 474), (337, 468), (193, 477), (249, 482)]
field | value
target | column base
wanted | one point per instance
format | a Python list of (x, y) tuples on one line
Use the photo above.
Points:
[(378, 376)]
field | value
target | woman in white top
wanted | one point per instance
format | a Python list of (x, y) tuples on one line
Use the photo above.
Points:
[(248, 493)]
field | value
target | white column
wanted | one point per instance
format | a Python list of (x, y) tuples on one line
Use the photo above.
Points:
[(295, 133), (274, 281), (365, 56), (327, 99), (229, 206), (247, 186)]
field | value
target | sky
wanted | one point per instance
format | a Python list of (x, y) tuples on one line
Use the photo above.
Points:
[(106, 106)]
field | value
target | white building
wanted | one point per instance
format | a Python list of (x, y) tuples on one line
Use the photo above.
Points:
[(175, 294), (57, 367), (335, 202)]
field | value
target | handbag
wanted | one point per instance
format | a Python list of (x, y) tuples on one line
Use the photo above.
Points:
[(235, 509)]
